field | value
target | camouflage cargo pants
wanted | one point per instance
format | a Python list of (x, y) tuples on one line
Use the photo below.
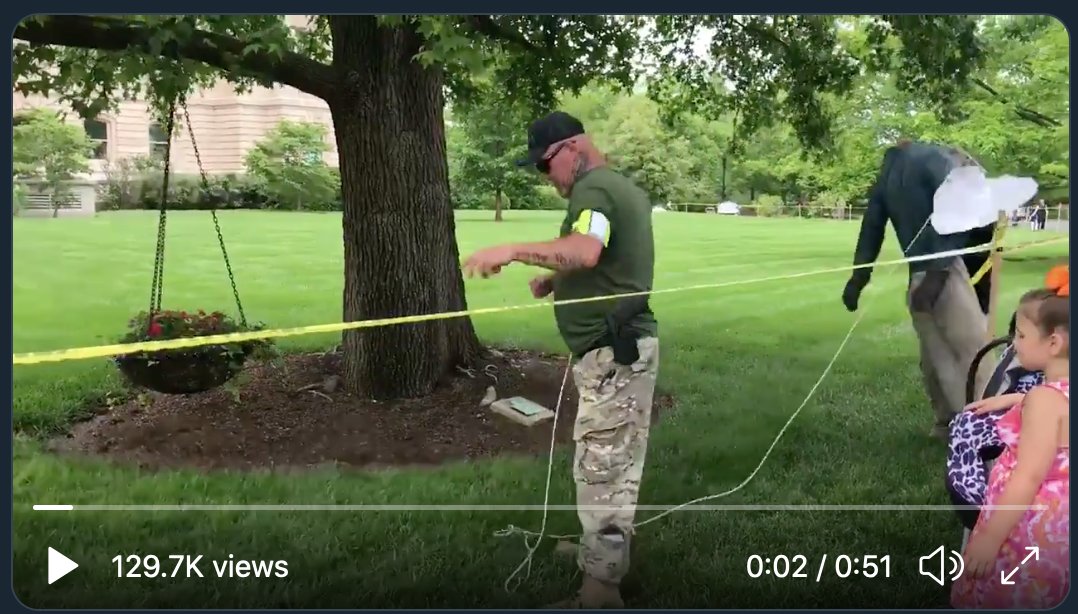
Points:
[(611, 434)]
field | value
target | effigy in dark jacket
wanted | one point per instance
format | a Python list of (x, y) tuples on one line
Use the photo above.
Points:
[(903, 193)]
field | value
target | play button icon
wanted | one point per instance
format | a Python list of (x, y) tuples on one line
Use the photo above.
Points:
[(59, 565)]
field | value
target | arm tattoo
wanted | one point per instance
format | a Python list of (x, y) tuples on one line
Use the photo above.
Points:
[(554, 261)]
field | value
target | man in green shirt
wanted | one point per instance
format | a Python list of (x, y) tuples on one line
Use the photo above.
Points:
[(605, 247)]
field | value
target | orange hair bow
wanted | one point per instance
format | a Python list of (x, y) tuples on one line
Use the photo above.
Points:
[(1059, 280)]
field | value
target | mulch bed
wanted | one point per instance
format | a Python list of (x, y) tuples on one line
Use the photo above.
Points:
[(295, 414)]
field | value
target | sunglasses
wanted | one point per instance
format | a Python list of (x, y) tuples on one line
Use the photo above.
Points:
[(543, 165)]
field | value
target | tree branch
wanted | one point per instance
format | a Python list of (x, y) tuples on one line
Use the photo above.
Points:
[(223, 52), (756, 29), (491, 29), (1027, 114)]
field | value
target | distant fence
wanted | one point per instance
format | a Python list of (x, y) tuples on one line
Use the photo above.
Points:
[(836, 212), (1057, 218)]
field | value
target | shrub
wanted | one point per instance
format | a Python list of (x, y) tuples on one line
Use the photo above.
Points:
[(548, 198), (285, 171), (123, 185), (47, 148), (767, 205), (829, 204), (288, 164), (18, 199), (124, 192)]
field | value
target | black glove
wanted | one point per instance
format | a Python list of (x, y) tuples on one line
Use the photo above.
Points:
[(923, 298), (852, 292)]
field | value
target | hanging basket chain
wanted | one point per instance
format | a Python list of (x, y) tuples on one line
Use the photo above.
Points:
[(213, 211), (157, 286), (182, 372)]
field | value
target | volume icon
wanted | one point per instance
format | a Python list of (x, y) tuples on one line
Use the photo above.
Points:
[(935, 565)]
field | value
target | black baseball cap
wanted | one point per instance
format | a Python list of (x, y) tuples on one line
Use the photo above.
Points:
[(545, 131)]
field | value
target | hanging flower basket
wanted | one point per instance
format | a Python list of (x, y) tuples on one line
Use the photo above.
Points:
[(185, 370)]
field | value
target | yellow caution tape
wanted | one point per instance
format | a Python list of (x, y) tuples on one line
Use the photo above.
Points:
[(981, 272), (102, 351), (997, 242)]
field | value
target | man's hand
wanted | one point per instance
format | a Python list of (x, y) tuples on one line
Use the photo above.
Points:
[(487, 262), (542, 286), (923, 298), (852, 292)]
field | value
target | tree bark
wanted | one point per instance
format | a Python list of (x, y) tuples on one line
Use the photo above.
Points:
[(400, 251), (498, 205)]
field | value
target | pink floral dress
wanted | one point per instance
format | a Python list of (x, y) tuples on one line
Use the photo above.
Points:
[(1041, 582)]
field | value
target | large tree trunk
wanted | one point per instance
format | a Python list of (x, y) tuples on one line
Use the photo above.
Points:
[(400, 250), (498, 205)]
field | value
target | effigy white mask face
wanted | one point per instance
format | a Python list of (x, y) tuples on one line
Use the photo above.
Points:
[(967, 199)]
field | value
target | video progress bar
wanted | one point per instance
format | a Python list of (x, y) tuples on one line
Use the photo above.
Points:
[(517, 508)]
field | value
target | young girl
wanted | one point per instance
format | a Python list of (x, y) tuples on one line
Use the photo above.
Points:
[(1020, 558)]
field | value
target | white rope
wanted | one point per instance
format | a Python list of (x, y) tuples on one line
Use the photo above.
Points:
[(812, 392), (510, 530), (514, 530), (526, 564)]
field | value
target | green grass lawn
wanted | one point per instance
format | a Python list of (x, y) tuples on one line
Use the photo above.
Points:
[(739, 360)]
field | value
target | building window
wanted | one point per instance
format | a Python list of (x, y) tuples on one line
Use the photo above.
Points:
[(158, 141), (98, 131)]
